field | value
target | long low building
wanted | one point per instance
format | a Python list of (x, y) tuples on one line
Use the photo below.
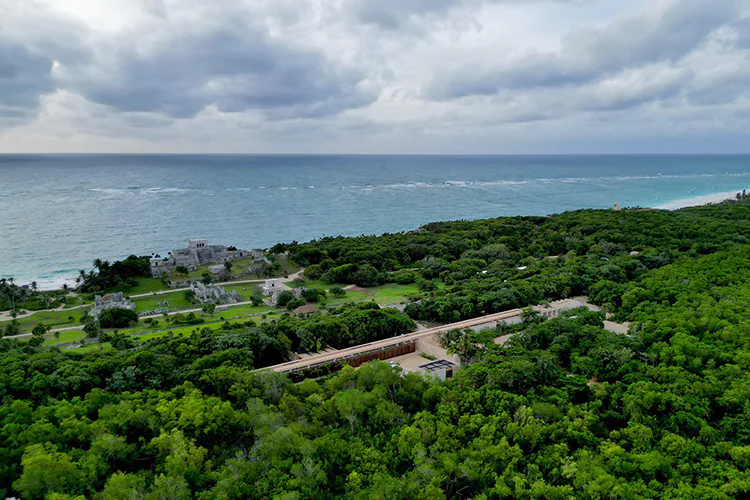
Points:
[(408, 343)]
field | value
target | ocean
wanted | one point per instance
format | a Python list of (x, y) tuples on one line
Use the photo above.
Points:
[(59, 212)]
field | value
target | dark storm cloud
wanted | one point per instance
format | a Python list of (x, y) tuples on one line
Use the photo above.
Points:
[(395, 15), (233, 65), (588, 55), (31, 40)]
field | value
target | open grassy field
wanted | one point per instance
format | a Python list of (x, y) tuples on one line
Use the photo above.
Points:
[(392, 293), (240, 266), (246, 290), (146, 285), (53, 319), (385, 294), (65, 337), (176, 301)]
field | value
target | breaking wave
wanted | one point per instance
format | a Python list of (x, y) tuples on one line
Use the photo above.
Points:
[(140, 190)]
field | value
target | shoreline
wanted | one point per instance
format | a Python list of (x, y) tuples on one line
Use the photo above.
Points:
[(697, 201), (52, 284)]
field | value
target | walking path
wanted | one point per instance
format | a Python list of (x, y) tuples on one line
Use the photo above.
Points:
[(324, 356), (284, 282)]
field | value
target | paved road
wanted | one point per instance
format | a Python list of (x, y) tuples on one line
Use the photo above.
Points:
[(324, 357), (299, 364)]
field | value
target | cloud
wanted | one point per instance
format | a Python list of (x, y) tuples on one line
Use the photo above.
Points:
[(664, 35), (32, 42), (229, 61), (371, 75), (400, 15)]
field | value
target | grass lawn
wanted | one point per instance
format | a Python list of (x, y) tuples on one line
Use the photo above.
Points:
[(392, 293), (240, 266), (94, 346), (65, 337), (244, 289), (146, 285), (53, 319), (149, 303)]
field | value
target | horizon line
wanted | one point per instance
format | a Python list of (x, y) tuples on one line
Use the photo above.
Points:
[(367, 154)]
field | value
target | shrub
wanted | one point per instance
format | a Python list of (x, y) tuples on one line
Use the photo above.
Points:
[(284, 298), (405, 277), (313, 272), (294, 304), (313, 294), (117, 317)]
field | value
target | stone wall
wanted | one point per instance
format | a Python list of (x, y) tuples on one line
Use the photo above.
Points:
[(110, 301)]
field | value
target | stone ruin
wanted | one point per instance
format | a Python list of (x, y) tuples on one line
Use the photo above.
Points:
[(199, 252), (214, 294), (110, 301)]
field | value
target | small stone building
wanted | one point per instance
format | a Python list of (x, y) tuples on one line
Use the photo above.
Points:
[(110, 301), (272, 286), (214, 294)]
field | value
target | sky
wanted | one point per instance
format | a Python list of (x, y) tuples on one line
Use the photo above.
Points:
[(375, 76)]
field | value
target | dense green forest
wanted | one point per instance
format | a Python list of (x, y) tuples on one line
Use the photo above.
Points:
[(565, 409)]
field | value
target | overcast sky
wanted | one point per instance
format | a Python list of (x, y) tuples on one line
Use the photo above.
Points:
[(375, 76)]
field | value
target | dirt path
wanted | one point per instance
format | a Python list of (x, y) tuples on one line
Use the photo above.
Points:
[(289, 279), (5, 316)]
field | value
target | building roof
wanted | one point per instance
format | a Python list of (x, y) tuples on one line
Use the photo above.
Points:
[(440, 364), (306, 309)]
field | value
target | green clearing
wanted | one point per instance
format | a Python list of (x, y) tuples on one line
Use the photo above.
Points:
[(246, 290), (142, 334), (150, 302), (146, 285), (392, 293), (240, 266), (386, 294), (53, 319), (65, 337), (94, 346)]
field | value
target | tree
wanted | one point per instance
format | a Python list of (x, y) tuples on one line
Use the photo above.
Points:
[(181, 270), (12, 328), (117, 317), (40, 330), (209, 309), (206, 278), (91, 327), (228, 267), (36, 341), (337, 291), (46, 470), (284, 297)]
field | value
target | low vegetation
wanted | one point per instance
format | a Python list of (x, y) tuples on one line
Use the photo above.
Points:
[(564, 409)]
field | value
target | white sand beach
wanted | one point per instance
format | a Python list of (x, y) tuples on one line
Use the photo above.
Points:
[(699, 200)]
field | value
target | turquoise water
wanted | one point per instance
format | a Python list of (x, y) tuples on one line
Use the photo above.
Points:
[(58, 213)]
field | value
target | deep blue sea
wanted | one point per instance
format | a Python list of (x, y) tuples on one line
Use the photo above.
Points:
[(59, 212)]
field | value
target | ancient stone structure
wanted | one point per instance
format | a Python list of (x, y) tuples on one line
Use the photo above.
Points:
[(110, 301), (272, 288), (197, 253), (214, 294)]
